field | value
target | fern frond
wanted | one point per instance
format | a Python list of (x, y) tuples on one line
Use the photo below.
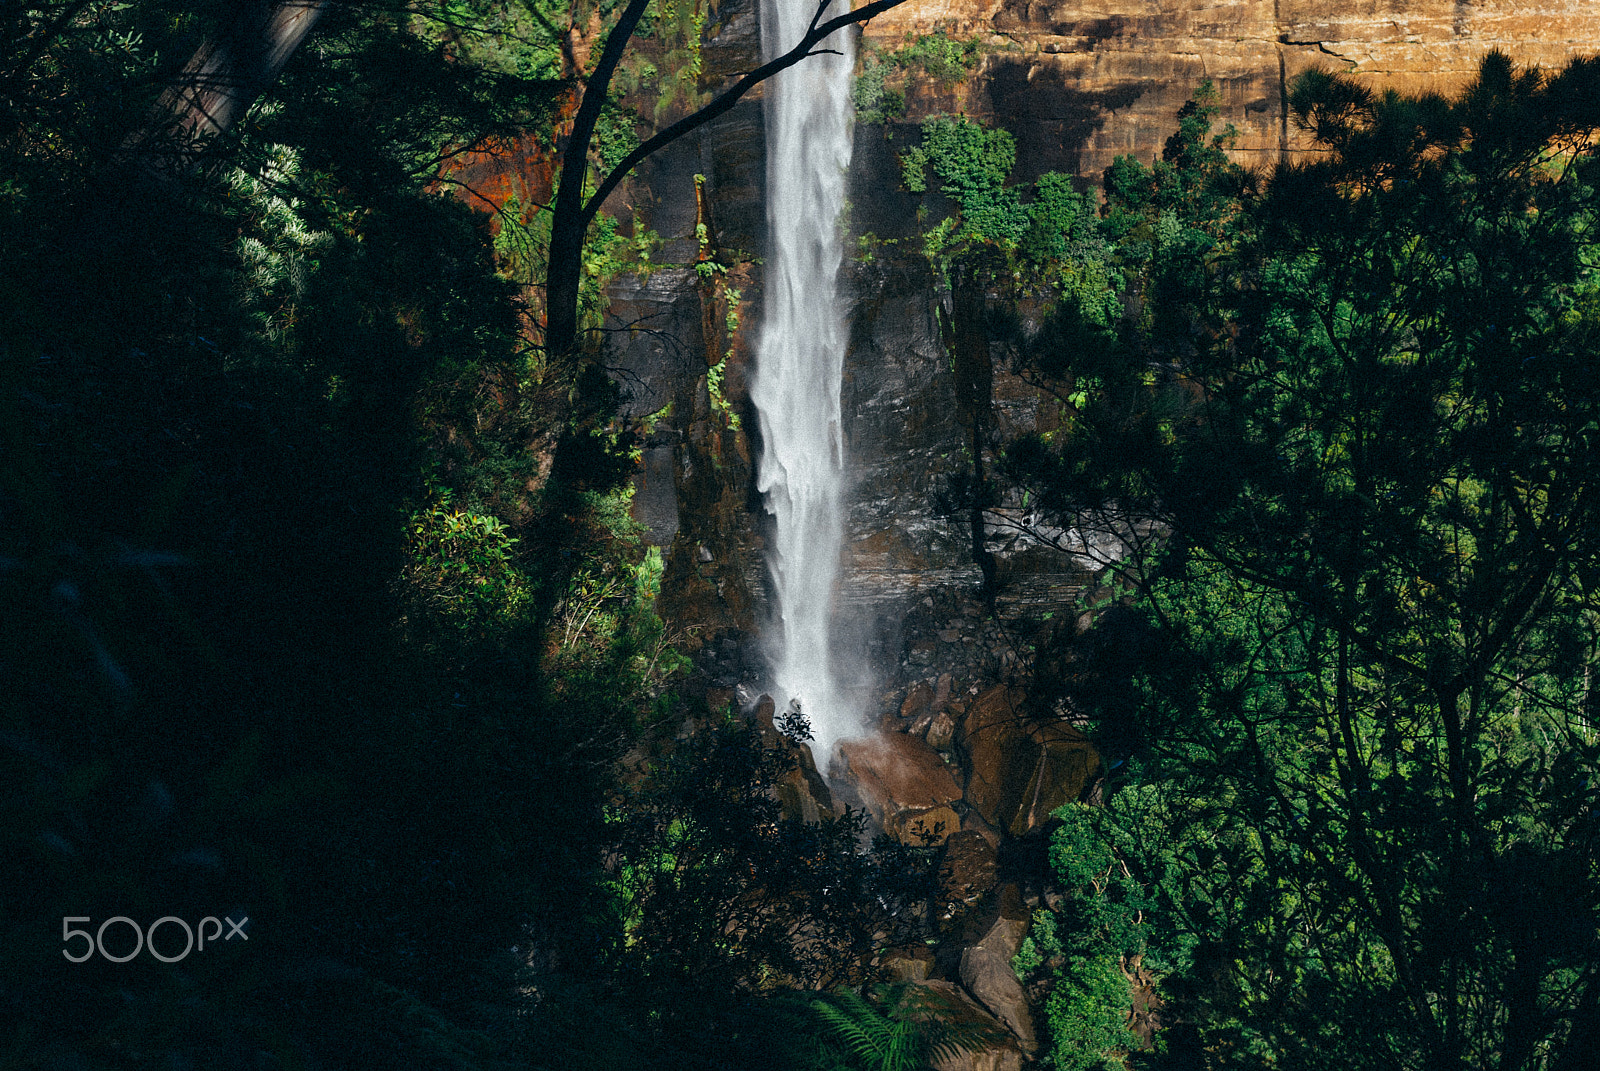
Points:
[(881, 1043)]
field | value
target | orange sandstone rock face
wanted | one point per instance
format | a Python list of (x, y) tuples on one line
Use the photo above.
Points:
[(905, 785), (1021, 770), (1078, 82)]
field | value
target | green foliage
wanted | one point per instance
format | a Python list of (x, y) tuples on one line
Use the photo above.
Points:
[(1086, 1014), (969, 159), (875, 1041), (972, 163), (465, 564), (518, 39), (719, 401), (319, 596), (889, 1027), (522, 241), (604, 625), (1041, 943), (1169, 226), (1108, 909), (874, 100), (616, 134), (1193, 180), (1115, 864), (1057, 216), (943, 59), (1354, 694), (664, 66), (279, 253)]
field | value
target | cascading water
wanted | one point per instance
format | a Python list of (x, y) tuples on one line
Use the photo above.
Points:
[(800, 360)]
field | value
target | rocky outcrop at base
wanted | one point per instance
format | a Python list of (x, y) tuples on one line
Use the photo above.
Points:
[(904, 785), (1020, 769), (986, 970)]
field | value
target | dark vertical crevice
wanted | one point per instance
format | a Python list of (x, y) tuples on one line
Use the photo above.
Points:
[(968, 344), (1283, 108)]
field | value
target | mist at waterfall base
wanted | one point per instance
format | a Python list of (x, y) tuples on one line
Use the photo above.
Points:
[(799, 366)]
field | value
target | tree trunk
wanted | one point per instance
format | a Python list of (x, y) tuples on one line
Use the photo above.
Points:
[(563, 274), (226, 75)]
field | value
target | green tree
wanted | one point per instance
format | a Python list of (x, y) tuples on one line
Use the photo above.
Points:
[(719, 891), (257, 662), (1371, 633), (1082, 948)]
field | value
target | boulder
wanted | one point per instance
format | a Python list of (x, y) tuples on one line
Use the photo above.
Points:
[(904, 785), (988, 977), (994, 1050), (1020, 769), (986, 970), (912, 963), (967, 870), (931, 826), (801, 790), (766, 713), (974, 822), (917, 701), (802, 794)]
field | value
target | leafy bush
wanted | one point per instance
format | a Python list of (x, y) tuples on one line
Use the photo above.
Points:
[(1057, 215), (1119, 872), (972, 163), (465, 564), (1087, 1016), (874, 101), (945, 59)]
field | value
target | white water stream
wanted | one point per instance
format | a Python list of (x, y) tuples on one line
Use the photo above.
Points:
[(800, 361)]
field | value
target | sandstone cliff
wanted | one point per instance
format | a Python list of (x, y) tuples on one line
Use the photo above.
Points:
[(1080, 81)]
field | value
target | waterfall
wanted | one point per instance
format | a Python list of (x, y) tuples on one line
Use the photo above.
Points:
[(800, 362)]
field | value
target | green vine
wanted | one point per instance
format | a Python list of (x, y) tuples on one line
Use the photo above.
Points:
[(719, 401)]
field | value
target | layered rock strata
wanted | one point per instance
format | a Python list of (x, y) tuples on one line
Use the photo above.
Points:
[(1078, 82)]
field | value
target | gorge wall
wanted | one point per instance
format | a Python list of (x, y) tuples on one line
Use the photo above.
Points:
[(1076, 82)]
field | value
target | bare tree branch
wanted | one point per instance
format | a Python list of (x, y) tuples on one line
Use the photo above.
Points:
[(571, 222), (728, 99)]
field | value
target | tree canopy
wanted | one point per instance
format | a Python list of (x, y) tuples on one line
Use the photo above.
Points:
[(1352, 688)]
